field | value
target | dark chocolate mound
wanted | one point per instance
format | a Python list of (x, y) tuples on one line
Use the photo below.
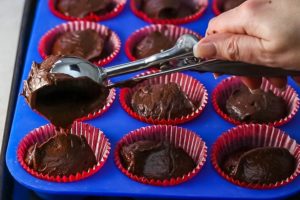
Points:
[(86, 44), (61, 155), (151, 44), (264, 165), (264, 107), (62, 98), (82, 8), (167, 9), (230, 4), (161, 101), (156, 160)]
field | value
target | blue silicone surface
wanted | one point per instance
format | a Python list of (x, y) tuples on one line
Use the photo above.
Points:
[(109, 181)]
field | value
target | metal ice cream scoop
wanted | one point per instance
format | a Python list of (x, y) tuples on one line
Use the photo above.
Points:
[(182, 53)]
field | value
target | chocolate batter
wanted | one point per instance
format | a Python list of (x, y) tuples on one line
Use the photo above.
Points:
[(153, 43), (167, 9), (59, 97), (156, 160), (82, 8), (264, 107), (264, 165), (161, 101), (61, 155), (87, 44), (230, 4)]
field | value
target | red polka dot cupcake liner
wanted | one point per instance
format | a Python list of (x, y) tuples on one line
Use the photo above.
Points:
[(189, 141), (202, 4), (110, 100), (113, 43), (120, 4), (254, 135), (170, 31), (223, 91), (194, 90), (95, 138)]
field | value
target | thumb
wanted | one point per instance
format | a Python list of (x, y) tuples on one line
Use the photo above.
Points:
[(233, 47)]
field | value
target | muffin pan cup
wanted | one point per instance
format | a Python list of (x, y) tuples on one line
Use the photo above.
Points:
[(113, 43), (95, 138), (254, 135), (203, 4), (190, 142), (171, 31), (120, 4), (195, 91), (223, 91)]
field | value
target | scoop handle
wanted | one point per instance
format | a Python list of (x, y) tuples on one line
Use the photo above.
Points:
[(242, 69)]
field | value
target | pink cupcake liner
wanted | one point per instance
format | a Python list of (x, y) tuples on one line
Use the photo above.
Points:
[(223, 91), (254, 135), (110, 100), (171, 31), (216, 7), (189, 85), (190, 18), (120, 4), (95, 138), (189, 141), (114, 42)]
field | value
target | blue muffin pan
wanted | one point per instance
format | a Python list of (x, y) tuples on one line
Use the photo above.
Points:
[(115, 123)]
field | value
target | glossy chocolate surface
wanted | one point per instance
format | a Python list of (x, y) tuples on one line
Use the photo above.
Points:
[(263, 165), (61, 155), (167, 9), (151, 44), (87, 44), (264, 107), (230, 4), (82, 8), (161, 101), (156, 160)]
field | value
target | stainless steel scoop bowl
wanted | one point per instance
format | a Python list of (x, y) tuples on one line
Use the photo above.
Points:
[(182, 51)]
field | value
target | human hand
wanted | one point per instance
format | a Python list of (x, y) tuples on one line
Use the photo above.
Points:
[(265, 32)]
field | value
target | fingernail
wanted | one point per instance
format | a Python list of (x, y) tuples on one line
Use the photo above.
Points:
[(205, 50), (255, 91)]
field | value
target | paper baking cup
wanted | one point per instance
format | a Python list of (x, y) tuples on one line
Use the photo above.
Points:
[(110, 100), (195, 91), (202, 3), (95, 138), (113, 43), (189, 141), (216, 7), (120, 4), (223, 91), (254, 135), (171, 31)]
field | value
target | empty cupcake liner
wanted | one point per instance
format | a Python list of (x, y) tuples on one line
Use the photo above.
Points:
[(171, 31), (254, 135), (95, 138), (216, 7), (114, 42), (110, 100), (203, 4), (195, 91), (223, 91), (189, 141), (120, 4)]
